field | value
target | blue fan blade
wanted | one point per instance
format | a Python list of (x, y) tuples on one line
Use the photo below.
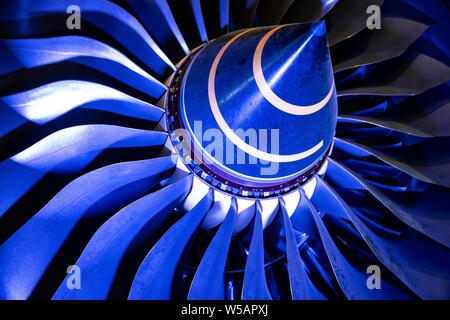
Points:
[(337, 173), (348, 18), (411, 78), (224, 9), (350, 148), (437, 35), (370, 109), (209, 279), (216, 17), (189, 18), (159, 21), (308, 11), (427, 126), (376, 170), (33, 53), (352, 281), (424, 115), (426, 212), (301, 286), (156, 275), (385, 177), (108, 17), (421, 264), (198, 16), (28, 252), (242, 13), (392, 40), (428, 161), (67, 151), (430, 210), (302, 219), (101, 258), (270, 12), (434, 9), (323, 201), (255, 285), (48, 102)]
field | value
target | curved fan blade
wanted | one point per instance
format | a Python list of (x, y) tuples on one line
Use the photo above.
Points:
[(412, 212), (411, 267), (93, 195), (38, 105), (242, 13), (208, 282), (216, 19), (302, 219), (372, 46), (420, 161), (35, 53), (308, 11), (353, 281), (156, 275), (255, 286), (189, 17), (66, 152), (160, 23), (424, 115), (107, 16), (131, 226), (301, 286), (412, 77), (270, 13), (347, 18)]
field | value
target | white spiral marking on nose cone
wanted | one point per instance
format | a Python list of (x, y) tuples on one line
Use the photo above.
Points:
[(229, 133), (267, 92)]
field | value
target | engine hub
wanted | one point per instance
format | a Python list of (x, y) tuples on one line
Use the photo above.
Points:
[(254, 113)]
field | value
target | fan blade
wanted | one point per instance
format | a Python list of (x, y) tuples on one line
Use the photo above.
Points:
[(438, 10), (215, 17), (352, 281), (301, 286), (108, 17), (324, 202), (424, 115), (36, 243), (255, 285), (420, 161), (347, 18), (308, 11), (34, 53), (413, 208), (302, 219), (397, 77), (218, 212), (242, 13), (209, 279), (380, 170), (46, 103), (156, 275), (189, 17), (372, 46), (129, 227), (67, 151), (424, 270), (270, 12), (430, 125), (160, 23)]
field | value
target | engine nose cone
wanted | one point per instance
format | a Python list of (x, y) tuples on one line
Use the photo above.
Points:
[(258, 109)]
